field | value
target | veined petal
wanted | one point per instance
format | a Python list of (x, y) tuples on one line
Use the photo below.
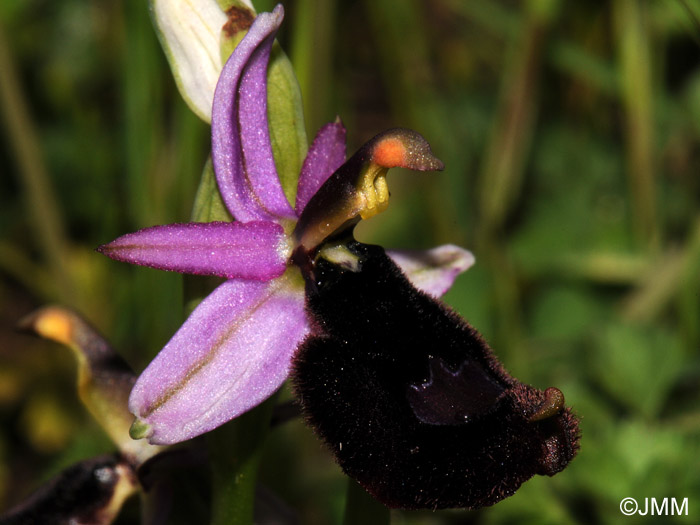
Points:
[(189, 31), (241, 149), (326, 154), (231, 354), (435, 270), (251, 250)]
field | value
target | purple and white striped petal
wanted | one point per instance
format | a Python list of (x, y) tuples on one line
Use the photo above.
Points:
[(231, 354), (253, 250), (241, 150), (435, 270), (326, 154)]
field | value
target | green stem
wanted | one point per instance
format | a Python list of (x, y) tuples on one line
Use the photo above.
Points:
[(33, 176), (363, 509), (311, 55), (505, 290), (143, 111), (508, 148), (634, 50), (235, 452)]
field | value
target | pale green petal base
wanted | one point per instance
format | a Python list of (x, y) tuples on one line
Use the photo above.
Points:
[(140, 430)]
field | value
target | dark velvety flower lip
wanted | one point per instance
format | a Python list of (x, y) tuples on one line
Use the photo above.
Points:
[(91, 491), (411, 400), (454, 397)]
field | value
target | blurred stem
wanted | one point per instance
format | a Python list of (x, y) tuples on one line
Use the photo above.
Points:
[(601, 267), (19, 265), (688, 300), (504, 166), (656, 290), (311, 52), (506, 292), (691, 18), (675, 275), (363, 509), (511, 136), (407, 61), (235, 452), (47, 221), (495, 17), (400, 33), (568, 56), (143, 96), (633, 43), (189, 147)]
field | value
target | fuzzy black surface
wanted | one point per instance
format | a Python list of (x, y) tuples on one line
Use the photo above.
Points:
[(76, 495), (411, 400)]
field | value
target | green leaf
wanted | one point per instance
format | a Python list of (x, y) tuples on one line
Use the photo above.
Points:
[(638, 365), (631, 457), (236, 449), (565, 313), (286, 121), (208, 205)]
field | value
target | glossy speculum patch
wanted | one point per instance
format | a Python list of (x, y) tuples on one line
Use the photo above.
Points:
[(411, 400)]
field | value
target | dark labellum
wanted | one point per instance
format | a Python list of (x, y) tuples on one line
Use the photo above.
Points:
[(409, 397), (83, 493)]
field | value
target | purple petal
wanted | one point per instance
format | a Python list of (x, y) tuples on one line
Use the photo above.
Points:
[(251, 250), (231, 354), (433, 271), (241, 149), (326, 154)]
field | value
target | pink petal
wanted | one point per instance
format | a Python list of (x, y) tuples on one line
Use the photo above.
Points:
[(326, 154), (241, 150), (433, 271), (252, 250), (231, 354)]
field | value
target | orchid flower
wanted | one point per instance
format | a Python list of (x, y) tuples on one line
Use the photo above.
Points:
[(235, 349)]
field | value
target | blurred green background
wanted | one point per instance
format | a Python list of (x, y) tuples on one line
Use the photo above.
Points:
[(571, 135)]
